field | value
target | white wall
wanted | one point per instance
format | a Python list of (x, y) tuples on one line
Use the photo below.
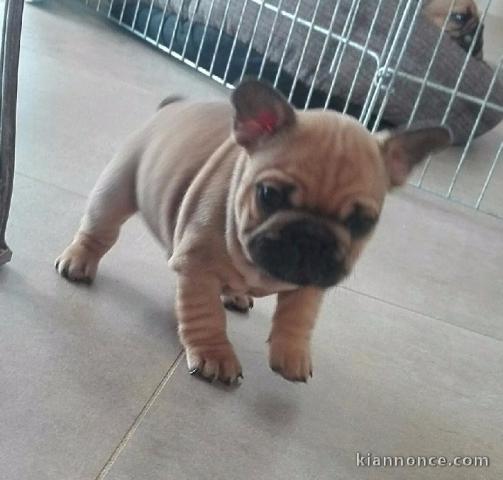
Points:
[(496, 7)]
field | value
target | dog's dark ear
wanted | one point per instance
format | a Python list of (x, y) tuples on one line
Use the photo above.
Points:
[(260, 112), (403, 150)]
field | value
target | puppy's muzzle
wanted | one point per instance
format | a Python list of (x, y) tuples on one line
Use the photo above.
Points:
[(302, 252), (466, 34)]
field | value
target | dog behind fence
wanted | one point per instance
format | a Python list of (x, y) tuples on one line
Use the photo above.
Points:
[(389, 63)]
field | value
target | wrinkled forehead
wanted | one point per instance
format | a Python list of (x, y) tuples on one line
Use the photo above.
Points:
[(333, 134), (330, 154)]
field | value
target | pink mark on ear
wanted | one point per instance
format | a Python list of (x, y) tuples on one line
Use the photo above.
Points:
[(249, 130), (268, 121)]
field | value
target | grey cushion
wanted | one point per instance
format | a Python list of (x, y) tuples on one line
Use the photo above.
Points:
[(400, 103)]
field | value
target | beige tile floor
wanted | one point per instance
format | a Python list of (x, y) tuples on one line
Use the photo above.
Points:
[(408, 354)]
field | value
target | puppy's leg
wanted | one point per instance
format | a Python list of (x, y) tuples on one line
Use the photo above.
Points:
[(110, 204), (201, 319), (238, 303), (289, 341)]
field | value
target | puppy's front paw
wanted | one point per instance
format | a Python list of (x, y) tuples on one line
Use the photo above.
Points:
[(214, 363), (238, 303), (77, 263), (291, 358)]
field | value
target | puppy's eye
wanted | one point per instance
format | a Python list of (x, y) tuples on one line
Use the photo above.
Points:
[(359, 223), (460, 18), (271, 199)]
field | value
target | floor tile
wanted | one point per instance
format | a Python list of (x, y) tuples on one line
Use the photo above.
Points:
[(386, 382), (434, 257), (77, 363), (80, 98)]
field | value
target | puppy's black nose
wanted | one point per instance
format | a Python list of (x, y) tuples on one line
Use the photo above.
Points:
[(304, 252)]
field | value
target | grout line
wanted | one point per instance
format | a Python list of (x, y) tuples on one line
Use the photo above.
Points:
[(422, 314), (134, 426), (49, 184), (396, 305)]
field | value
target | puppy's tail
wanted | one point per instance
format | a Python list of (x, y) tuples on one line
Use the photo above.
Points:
[(168, 100)]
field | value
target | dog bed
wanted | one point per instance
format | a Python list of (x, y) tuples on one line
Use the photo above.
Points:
[(244, 38)]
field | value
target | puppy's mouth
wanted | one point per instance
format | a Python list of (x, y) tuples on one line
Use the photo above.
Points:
[(303, 252)]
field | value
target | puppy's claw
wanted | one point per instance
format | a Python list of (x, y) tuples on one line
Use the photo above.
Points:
[(238, 303), (198, 372), (235, 308), (64, 272), (77, 263), (214, 364)]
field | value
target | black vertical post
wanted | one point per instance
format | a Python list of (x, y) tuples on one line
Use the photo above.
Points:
[(9, 63)]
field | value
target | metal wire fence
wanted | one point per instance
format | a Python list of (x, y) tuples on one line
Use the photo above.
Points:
[(386, 62)]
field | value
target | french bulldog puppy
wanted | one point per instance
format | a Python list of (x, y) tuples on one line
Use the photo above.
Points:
[(249, 199), (462, 23)]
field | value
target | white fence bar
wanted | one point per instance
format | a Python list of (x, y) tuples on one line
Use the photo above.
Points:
[(332, 31)]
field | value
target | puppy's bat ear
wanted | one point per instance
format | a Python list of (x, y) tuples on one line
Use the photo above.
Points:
[(260, 112), (401, 151)]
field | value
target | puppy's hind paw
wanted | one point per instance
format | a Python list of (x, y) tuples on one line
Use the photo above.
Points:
[(238, 303)]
